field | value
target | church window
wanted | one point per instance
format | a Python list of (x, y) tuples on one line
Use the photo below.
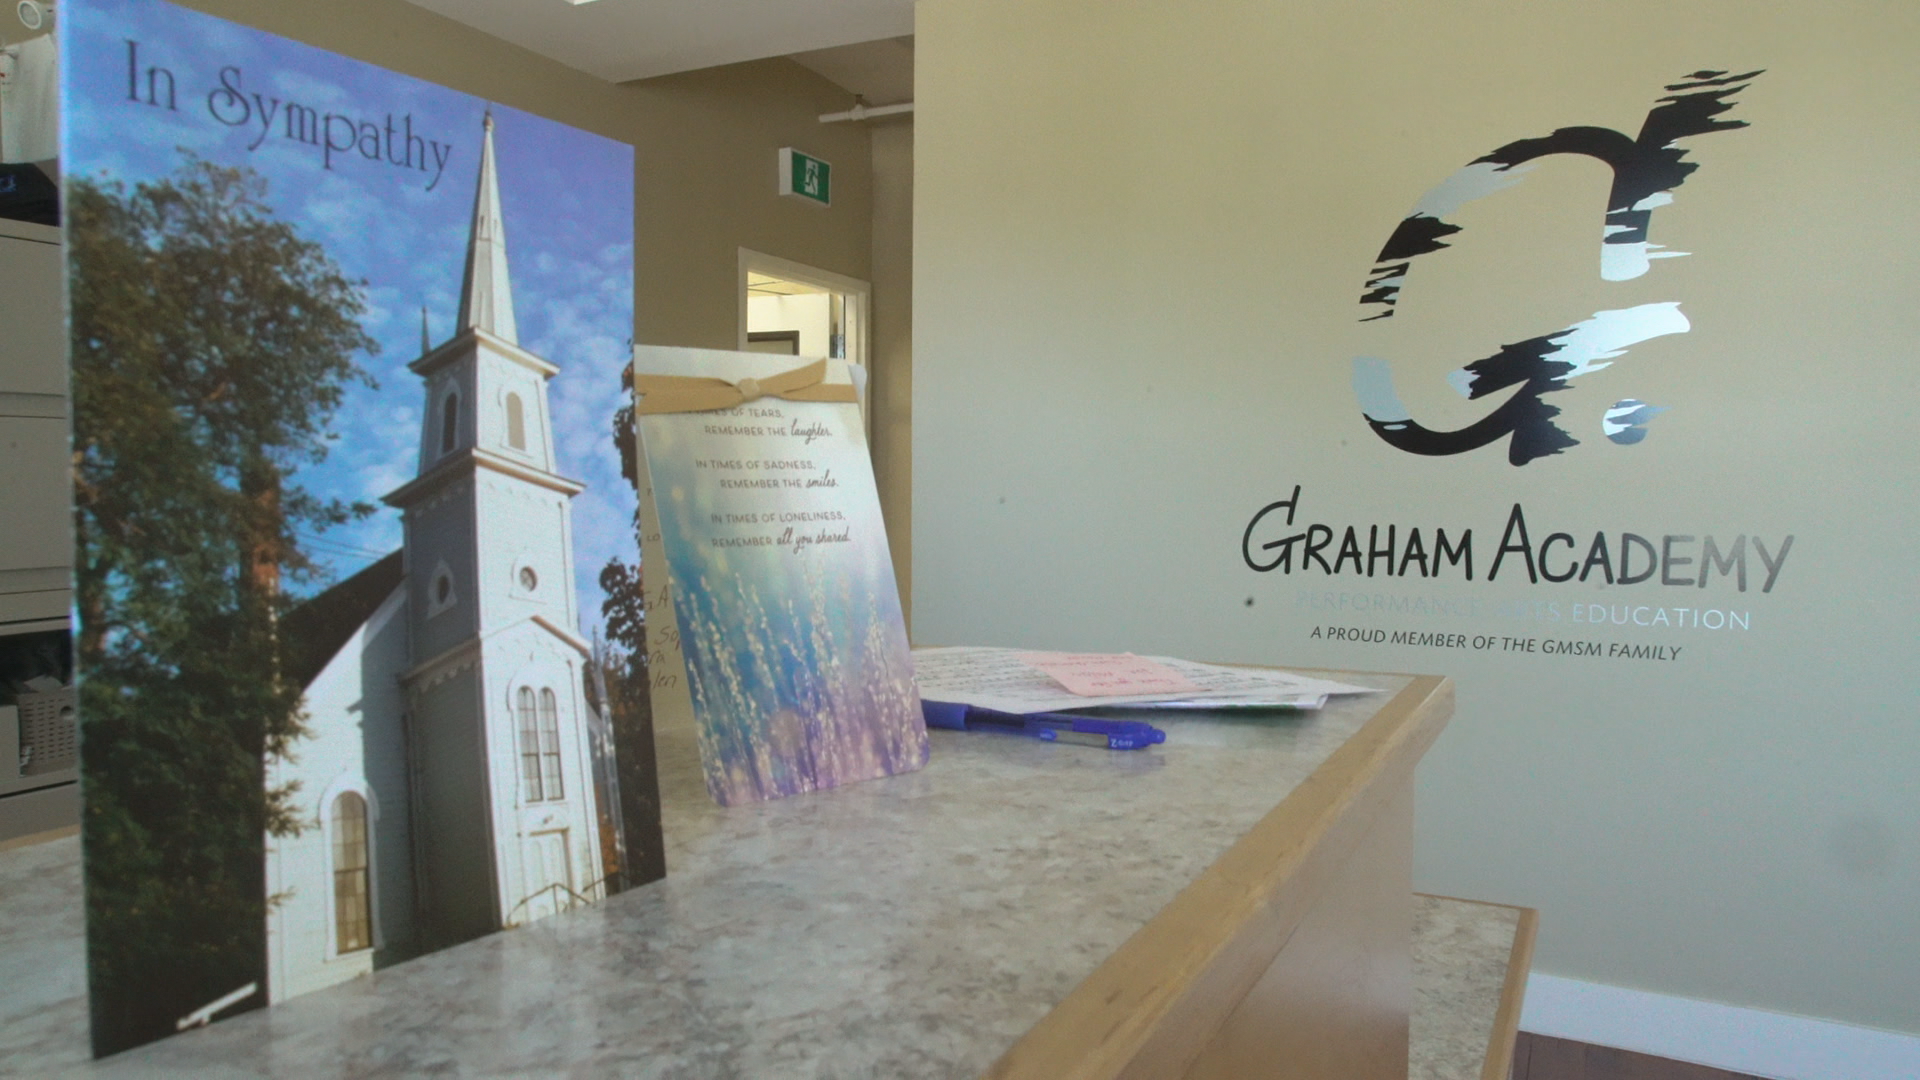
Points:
[(528, 579), (550, 743), (516, 423), (449, 422), (539, 745), (352, 917), (441, 595), (529, 747)]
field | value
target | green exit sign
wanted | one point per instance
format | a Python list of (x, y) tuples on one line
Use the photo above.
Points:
[(806, 177)]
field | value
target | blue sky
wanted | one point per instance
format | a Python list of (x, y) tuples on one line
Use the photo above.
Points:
[(567, 196)]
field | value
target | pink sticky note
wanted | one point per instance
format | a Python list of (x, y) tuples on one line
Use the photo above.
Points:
[(1108, 674)]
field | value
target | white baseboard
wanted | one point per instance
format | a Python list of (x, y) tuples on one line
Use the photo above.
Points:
[(1769, 1044)]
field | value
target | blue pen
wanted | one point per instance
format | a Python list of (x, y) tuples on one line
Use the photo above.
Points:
[(1098, 725), (1047, 727)]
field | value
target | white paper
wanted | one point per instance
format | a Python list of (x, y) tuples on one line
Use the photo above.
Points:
[(995, 678), (1255, 701)]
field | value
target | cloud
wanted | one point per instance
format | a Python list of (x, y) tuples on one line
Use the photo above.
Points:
[(313, 91), (379, 479), (569, 204)]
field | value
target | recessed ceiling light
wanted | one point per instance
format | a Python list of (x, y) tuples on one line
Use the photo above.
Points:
[(577, 3)]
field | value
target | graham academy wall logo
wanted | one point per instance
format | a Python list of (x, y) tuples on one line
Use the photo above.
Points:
[(1646, 171)]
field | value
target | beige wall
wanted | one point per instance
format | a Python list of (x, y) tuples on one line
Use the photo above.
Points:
[(1142, 230), (706, 177), (704, 160), (892, 354)]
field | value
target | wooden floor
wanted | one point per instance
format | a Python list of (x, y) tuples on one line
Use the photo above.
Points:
[(1538, 1057)]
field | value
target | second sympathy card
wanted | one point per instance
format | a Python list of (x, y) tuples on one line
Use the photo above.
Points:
[(783, 606)]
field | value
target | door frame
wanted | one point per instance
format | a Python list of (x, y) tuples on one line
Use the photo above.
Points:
[(859, 296)]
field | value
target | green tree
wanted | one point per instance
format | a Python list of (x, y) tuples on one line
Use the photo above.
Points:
[(629, 694), (211, 345)]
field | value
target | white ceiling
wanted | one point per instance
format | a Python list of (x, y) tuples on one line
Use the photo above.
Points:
[(620, 40)]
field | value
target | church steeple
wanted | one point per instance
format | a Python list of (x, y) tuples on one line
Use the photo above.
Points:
[(486, 293), (491, 607)]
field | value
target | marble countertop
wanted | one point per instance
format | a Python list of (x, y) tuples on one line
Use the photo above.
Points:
[(1462, 950), (909, 927)]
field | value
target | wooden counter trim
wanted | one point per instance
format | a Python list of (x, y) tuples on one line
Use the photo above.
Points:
[(1150, 1010), (1513, 994), (30, 839)]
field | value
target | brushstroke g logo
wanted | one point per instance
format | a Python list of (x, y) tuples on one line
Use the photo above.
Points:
[(1646, 171)]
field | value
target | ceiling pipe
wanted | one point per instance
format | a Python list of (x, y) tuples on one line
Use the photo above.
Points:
[(861, 111)]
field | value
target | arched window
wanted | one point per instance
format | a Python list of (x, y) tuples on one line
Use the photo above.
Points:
[(516, 423), (550, 744), (529, 747), (352, 914), (449, 422)]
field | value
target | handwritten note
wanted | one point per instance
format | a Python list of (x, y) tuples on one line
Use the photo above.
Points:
[(1109, 674)]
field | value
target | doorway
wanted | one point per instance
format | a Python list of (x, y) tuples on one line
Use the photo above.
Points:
[(550, 872), (798, 310)]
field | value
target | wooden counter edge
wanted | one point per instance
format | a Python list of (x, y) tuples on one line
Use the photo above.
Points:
[(31, 839), (1152, 1007), (1513, 995)]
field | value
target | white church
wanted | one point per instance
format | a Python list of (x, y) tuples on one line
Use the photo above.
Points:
[(448, 788)]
